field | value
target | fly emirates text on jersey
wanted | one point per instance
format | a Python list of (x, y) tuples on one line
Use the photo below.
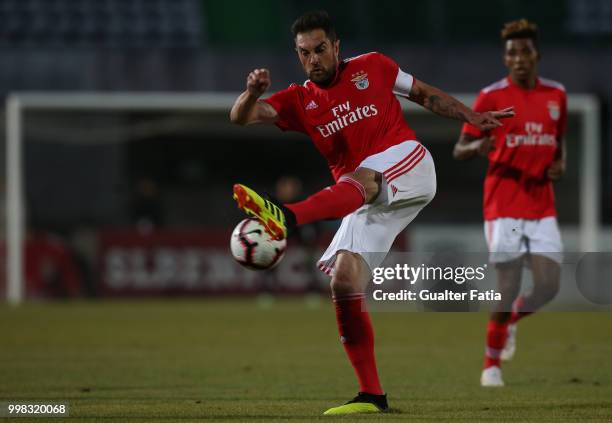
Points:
[(344, 116), (534, 136)]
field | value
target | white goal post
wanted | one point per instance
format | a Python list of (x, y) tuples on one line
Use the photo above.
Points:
[(18, 103)]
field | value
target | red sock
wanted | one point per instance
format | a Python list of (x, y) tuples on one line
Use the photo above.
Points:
[(332, 202), (496, 339), (357, 336), (518, 310)]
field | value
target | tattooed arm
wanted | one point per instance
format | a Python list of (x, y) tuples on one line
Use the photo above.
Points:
[(445, 105)]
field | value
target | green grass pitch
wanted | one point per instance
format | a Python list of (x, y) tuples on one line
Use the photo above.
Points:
[(235, 360)]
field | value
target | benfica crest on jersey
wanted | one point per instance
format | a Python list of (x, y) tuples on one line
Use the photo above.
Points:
[(360, 79), (554, 110)]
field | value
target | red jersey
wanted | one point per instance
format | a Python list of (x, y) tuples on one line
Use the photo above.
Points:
[(516, 184), (356, 116)]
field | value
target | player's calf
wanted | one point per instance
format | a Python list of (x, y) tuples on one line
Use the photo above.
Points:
[(333, 202), (355, 328)]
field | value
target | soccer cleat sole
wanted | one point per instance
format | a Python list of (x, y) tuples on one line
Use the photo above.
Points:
[(353, 408), (249, 205)]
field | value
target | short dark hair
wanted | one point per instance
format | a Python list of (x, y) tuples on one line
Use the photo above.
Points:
[(310, 21), (521, 28)]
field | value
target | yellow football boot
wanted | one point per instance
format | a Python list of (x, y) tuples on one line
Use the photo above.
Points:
[(271, 215), (361, 404)]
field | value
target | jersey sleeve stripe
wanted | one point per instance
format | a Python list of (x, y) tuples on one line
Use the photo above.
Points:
[(348, 59), (499, 85), (550, 83), (403, 84)]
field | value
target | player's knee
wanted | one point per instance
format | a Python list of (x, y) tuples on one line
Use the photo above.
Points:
[(344, 282), (547, 278), (372, 189), (548, 290), (370, 180), (347, 276)]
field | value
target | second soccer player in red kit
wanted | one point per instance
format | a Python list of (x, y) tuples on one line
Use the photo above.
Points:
[(525, 156), (384, 176)]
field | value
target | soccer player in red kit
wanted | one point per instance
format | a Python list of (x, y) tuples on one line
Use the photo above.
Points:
[(525, 156), (384, 176)]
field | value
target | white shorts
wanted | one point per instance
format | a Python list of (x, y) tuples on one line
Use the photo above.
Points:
[(509, 238), (409, 184)]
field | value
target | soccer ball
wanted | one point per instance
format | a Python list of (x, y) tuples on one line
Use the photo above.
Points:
[(254, 248)]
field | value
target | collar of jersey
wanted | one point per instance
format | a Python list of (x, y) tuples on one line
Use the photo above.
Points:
[(512, 84)]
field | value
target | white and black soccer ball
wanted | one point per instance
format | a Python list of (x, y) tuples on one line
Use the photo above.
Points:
[(254, 248)]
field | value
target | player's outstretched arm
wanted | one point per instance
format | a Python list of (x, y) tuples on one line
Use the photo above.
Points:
[(247, 108), (469, 146), (445, 105)]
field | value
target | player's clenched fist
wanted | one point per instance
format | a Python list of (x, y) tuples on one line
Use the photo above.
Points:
[(258, 82)]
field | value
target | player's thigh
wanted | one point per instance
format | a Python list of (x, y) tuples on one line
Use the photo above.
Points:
[(369, 232), (407, 172), (546, 274), (509, 278), (419, 182)]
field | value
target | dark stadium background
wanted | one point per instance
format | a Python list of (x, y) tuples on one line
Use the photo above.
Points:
[(81, 181), (134, 309)]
